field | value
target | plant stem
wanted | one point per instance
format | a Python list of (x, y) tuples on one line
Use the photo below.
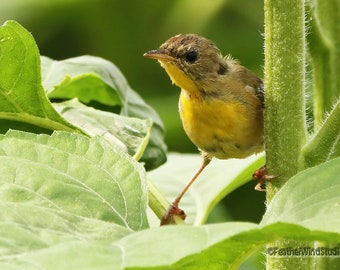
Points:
[(285, 123), (46, 123), (159, 204), (325, 54), (325, 144)]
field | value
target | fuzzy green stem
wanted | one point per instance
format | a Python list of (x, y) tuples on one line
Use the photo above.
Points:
[(325, 144), (285, 123), (285, 53), (325, 54), (157, 202)]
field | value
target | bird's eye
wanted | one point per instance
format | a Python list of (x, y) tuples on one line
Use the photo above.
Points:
[(191, 56)]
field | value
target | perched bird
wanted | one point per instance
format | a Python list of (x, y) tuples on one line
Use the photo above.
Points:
[(221, 102)]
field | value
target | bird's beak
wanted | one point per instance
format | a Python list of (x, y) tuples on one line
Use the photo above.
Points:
[(160, 55)]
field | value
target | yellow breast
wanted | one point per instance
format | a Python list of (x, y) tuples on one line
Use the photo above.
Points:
[(223, 129)]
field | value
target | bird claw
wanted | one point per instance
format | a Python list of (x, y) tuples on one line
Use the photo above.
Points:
[(261, 176), (171, 213)]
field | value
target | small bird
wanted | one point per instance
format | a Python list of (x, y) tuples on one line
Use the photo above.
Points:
[(221, 102)]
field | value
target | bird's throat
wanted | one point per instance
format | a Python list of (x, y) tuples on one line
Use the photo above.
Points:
[(179, 78)]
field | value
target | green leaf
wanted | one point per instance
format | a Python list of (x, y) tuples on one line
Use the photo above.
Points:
[(311, 199), (216, 181), (90, 78), (87, 78), (75, 174), (22, 97), (219, 246), (47, 222), (129, 134)]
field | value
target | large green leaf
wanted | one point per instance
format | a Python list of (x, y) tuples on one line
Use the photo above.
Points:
[(22, 97), (311, 198), (75, 174), (219, 246), (60, 193), (216, 181)]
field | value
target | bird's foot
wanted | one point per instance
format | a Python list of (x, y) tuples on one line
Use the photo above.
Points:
[(261, 176), (171, 213)]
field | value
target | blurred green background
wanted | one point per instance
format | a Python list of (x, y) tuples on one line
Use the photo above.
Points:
[(122, 30)]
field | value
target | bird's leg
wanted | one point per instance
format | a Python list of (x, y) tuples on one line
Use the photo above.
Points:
[(173, 209), (261, 176)]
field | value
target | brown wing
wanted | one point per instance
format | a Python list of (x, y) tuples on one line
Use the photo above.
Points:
[(247, 77)]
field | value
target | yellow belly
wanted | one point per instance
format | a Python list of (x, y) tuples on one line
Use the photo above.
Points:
[(222, 129)]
